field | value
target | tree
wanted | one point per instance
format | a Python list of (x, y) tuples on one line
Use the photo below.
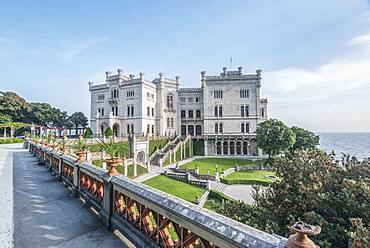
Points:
[(304, 139), (13, 107), (44, 114), (108, 132), (316, 188), (78, 119), (274, 137), (88, 133)]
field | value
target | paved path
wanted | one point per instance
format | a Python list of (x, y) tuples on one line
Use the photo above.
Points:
[(240, 192), (45, 212), (6, 195)]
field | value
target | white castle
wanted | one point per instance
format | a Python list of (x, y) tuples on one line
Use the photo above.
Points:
[(224, 112)]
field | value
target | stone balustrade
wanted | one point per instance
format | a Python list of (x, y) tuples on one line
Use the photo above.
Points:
[(146, 216)]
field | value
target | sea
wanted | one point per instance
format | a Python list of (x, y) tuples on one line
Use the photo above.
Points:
[(354, 144)]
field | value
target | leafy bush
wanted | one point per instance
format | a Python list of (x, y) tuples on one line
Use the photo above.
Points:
[(10, 141), (88, 133), (108, 132)]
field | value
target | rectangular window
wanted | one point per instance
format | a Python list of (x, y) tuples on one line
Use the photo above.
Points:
[(128, 129), (244, 93), (168, 122), (183, 99), (148, 111), (152, 129), (263, 112), (152, 111), (100, 97), (197, 99), (152, 95), (130, 94), (171, 122), (132, 111), (190, 113), (148, 95), (198, 113), (147, 128), (128, 111), (182, 113), (218, 94), (190, 99), (132, 128)]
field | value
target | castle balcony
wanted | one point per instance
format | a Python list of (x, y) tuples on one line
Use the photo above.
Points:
[(113, 100)]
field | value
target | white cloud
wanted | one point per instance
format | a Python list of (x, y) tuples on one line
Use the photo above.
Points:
[(290, 85), (71, 50), (331, 97)]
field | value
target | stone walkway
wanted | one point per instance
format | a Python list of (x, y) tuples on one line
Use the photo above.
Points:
[(240, 192), (45, 212), (6, 196)]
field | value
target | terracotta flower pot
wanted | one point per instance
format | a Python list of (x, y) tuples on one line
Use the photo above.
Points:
[(81, 156), (112, 164)]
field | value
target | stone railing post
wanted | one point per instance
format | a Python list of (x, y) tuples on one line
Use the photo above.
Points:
[(108, 202), (160, 163), (76, 181), (125, 166)]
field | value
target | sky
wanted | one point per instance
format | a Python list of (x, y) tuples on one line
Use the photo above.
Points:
[(314, 55)]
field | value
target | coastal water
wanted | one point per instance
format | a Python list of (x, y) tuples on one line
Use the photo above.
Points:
[(357, 144)]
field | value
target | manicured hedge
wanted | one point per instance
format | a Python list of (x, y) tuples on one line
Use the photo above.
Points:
[(198, 147), (243, 181), (10, 141)]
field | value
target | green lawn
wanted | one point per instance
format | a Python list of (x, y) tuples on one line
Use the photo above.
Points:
[(156, 144), (249, 177), (176, 188), (205, 164), (130, 171), (125, 148)]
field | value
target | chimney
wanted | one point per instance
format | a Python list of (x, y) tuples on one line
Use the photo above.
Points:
[(141, 74)]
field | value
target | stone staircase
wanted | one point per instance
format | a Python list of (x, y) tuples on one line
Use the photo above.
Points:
[(220, 187), (155, 160)]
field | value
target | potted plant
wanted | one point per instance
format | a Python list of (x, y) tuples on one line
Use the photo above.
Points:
[(63, 144), (79, 148), (112, 150)]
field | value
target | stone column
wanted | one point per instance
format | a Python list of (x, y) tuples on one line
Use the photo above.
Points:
[(206, 147), (4, 132), (125, 167), (135, 170), (148, 166)]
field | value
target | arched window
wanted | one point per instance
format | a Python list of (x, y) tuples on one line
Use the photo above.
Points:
[(216, 127), (245, 148), (191, 114), (170, 101), (226, 148), (216, 111), (218, 147), (242, 111), (232, 148), (168, 122), (247, 127), (171, 122), (220, 128), (238, 148), (242, 127), (220, 111), (246, 111)]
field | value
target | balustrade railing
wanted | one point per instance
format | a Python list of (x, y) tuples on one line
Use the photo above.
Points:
[(148, 217)]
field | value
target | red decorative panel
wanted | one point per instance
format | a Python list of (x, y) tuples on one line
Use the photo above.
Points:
[(161, 230), (92, 185)]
